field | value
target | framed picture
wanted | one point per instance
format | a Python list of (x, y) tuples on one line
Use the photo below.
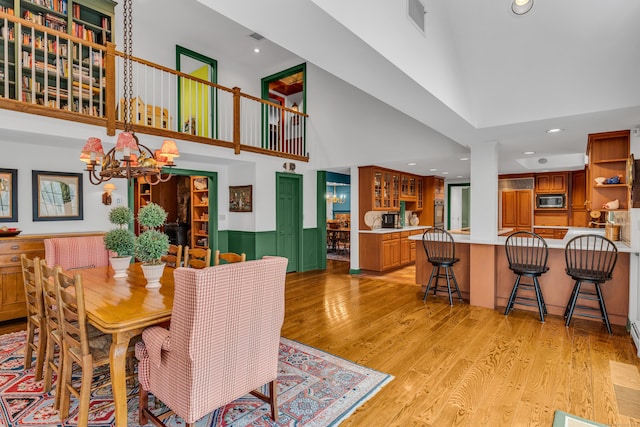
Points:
[(8, 195), (57, 196), (241, 199)]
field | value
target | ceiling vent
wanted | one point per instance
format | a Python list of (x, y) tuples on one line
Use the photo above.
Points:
[(416, 12), (256, 36)]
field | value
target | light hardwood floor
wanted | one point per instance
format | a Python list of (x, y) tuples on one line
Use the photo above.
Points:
[(454, 366), (460, 365)]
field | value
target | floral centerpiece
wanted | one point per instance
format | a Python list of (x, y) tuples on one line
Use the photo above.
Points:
[(120, 240), (152, 244)]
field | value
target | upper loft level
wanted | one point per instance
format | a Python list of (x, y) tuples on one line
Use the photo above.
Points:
[(47, 71)]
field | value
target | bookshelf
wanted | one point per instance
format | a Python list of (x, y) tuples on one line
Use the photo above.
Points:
[(199, 212), (40, 67)]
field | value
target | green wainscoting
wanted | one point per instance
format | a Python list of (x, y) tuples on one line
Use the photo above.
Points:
[(258, 244)]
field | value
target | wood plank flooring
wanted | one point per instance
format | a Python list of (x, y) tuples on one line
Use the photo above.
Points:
[(460, 365)]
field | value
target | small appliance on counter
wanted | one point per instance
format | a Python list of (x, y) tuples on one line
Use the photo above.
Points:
[(390, 220)]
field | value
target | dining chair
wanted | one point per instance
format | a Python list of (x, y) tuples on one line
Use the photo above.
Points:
[(441, 253), (197, 257), (183, 366), (36, 319), (173, 258), (77, 348), (527, 254), (53, 330), (228, 257), (590, 259)]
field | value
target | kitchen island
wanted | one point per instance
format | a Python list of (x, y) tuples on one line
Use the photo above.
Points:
[(485, 280), (384, 249)]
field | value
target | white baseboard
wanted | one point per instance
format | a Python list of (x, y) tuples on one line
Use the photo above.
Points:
[(635, 334)]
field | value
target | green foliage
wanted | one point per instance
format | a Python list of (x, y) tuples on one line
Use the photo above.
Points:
[(151, 245), (152, 215), (120, 241), (120, 215)]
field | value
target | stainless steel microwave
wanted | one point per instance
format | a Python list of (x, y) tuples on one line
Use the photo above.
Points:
[(551, 201)]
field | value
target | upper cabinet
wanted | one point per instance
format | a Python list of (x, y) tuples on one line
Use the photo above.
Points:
[(555, 182), (408, 187), (608, 154)]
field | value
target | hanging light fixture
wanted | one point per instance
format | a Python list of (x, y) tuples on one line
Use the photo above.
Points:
[(128, 159), (334, 198)]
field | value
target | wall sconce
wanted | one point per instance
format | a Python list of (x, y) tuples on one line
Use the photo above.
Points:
[(106, 196)]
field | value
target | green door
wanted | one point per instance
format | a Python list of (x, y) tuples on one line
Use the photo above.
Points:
[(289, 219)]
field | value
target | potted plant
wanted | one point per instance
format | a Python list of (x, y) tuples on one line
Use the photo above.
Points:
[(152, 244), (120, 240)]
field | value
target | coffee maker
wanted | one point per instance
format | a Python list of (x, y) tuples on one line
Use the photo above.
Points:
[(390, 220)]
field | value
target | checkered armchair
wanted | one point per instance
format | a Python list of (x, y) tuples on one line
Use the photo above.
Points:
[(223, 341), (76, 252)]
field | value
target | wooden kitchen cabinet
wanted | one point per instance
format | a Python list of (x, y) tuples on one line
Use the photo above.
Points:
[(554, 182), (551, 233), (379, 190), (419, 193), (608, 153), (517, 209), (578, 199), (384, 251), (433, 190), (408, 187)]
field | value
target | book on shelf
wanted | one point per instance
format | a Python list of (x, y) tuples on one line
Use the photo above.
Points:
[(7, 10)]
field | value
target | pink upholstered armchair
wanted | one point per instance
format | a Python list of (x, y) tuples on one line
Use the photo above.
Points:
[(223, 341), (76, 252)]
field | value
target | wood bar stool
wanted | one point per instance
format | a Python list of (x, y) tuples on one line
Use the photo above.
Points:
[(527, 253), (441, 253), (590, 259)]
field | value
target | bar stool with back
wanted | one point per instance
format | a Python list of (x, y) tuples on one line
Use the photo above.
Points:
[(441, 252), (590, 259), (527, 254)]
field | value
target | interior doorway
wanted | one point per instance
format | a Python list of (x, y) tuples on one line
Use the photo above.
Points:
[(459, 206)]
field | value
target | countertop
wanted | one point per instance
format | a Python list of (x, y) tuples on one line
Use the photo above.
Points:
[(395, 230), (551, 243)]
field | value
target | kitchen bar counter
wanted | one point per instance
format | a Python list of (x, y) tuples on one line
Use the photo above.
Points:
[(485, 279), (394, 230)]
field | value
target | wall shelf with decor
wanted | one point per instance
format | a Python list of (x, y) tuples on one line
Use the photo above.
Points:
[(199, 212), (608, 154)]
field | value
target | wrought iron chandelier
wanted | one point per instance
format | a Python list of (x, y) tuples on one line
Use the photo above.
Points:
[(128, 159)]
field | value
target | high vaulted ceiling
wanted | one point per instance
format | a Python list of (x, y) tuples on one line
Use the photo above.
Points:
[(479, 73)]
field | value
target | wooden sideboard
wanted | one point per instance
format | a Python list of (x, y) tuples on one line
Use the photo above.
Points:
[(12, 300)]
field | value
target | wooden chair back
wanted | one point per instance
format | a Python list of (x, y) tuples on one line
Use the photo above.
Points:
[(228, 257), (173, 258), (35, 313), (53, 328), (197, 257)]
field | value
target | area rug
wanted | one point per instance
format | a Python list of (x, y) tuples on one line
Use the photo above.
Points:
[(562, 419), (314, 389)]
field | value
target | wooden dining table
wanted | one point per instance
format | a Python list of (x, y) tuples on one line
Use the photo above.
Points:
[(124, 307)]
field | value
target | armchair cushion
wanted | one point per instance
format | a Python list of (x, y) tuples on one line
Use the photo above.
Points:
[(224, 336), (76, 252)]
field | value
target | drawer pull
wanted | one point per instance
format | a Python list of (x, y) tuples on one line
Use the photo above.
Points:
[(15, 259), (15, 247)]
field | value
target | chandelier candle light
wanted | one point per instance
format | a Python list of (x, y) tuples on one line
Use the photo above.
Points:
[(334, 198), (128, 159)]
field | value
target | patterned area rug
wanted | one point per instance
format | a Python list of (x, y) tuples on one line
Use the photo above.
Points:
[(314, 389)]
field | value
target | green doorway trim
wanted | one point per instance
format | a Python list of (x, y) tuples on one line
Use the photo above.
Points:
[(265, 81), (321, 218), (211, 77), (449, 186), (212, 182)]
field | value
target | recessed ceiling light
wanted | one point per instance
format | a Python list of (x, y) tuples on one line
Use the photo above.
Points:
[(464, 158), (527, 153), (445, 173), (411, 164), (256, 50), (554, 130), (520, 7), (433, 170), (459, 176)]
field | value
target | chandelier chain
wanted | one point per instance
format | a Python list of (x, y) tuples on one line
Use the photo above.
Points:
[(128, 65)]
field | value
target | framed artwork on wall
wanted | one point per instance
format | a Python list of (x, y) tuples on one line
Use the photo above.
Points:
[(57, 196), (8, 195), (241, 198)]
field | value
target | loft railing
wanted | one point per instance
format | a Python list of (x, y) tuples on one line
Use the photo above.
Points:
[(47, 72)]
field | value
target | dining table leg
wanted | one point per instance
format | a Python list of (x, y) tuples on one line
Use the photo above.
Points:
[(118, 368)]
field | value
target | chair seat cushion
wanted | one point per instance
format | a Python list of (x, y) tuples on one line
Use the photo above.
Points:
[(529, 269)]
